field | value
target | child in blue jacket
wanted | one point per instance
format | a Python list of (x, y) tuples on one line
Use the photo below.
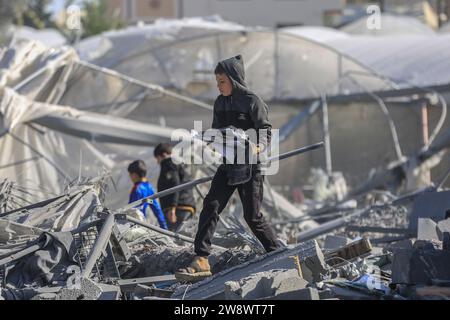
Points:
[(142, 189)]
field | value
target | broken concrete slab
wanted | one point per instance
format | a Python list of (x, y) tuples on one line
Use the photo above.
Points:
[(109, 292), (300, 294), (402, 244), (264, 284), (421, 264), (428, 244), (433, 205), (333, 242), (427, 229), (213, 287), (326, 294), (253, 287), (443, 226), (292, 283), (313, 268)]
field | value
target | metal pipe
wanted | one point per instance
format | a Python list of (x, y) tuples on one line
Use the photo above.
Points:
[(21, 254), (49, 65), (166, 192), (191, 184), (330, 225), (326, 137), (165, 232), (288, 128), (146, 85), (100, 245)]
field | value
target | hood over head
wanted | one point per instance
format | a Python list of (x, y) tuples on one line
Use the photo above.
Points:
[(234, 68)]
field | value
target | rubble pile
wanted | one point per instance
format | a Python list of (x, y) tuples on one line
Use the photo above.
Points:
[(67, 130), (104, 256)]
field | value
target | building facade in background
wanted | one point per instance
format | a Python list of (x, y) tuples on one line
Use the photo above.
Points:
[(132, 11), (278, 13), (267, 13)]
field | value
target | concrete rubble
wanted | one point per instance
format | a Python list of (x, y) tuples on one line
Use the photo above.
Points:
[(64, 234)]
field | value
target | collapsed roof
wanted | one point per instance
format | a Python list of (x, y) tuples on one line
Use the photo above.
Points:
[(181, 54)]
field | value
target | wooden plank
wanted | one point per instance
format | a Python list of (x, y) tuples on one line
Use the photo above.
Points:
[(349, 252)]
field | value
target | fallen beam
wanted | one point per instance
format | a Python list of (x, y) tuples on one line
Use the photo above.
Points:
[(162, 231), (100, 245), (331, 225), (17, 255), (128, 285), (381, 230)]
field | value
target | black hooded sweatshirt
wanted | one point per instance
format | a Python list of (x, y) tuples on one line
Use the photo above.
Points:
[(243, 109), (173, 175)]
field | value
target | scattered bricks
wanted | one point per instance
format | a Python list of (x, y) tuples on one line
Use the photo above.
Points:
[(351, 251), (432, 205), (333, 242), (427, 229)]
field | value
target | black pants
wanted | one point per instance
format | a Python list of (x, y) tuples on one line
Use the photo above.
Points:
[(251, 194), (182, 216)]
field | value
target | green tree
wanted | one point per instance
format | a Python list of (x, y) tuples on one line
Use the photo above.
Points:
[(34, 14), (96, 18), (9, 10)]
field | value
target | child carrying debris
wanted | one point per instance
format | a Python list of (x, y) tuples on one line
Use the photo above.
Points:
[(178, 206), (142, 189), (236, 106)]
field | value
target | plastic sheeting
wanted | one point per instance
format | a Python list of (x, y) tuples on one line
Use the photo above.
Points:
[(294, 63), (409, 61), (390, 24), (72, 143), (279, 65)]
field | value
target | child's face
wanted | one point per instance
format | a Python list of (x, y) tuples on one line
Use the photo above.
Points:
[(224, 84), (162, 157), (134, 177)]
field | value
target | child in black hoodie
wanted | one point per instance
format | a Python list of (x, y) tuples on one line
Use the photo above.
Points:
[(237, 107)]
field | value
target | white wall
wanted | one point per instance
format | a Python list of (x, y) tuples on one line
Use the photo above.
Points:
[(267, 13)]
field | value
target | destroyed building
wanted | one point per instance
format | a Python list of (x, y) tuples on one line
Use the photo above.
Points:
[(375, 224)]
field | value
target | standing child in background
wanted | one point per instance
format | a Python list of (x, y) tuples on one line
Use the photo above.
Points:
[(178, 206), (142, 189)]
